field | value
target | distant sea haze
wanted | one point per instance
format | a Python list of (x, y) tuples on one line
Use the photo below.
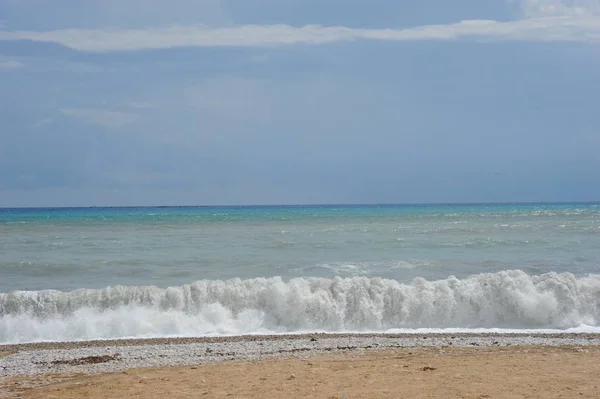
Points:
[(96, 273)]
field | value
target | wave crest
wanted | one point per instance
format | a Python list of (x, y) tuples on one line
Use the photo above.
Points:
[(509, 299)]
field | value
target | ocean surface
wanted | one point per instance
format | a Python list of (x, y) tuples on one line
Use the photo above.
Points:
[(99, 273)]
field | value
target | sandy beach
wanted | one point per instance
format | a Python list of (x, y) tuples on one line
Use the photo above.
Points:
[(316, 365)]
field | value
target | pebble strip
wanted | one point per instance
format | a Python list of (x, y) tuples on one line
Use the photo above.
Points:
[(91, 357)]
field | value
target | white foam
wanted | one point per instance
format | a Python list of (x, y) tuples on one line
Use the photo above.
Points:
[(366, 268), (504, 301)]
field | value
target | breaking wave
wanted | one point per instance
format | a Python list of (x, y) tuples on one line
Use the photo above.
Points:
[(505, 300)]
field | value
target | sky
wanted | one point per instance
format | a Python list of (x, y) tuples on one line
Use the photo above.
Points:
[(215, 102)]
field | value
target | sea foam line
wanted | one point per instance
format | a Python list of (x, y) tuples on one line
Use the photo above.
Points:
[(505, 300)]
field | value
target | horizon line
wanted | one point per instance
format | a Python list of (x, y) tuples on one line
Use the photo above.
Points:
[(591, 202)]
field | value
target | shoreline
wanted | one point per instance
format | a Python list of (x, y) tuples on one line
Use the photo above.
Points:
[(97, 357), (50, 345), (309, 366)]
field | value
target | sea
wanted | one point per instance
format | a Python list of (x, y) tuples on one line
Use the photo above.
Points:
[(71, 274)]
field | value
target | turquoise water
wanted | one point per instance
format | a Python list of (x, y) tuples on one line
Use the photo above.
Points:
[(67, 249), (58, 263)]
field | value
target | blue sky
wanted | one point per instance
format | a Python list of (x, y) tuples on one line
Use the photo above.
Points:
[(184, 102)]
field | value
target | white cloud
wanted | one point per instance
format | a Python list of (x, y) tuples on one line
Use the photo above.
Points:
[(542, 20), (561, 8), (107, 119), (554, 28), (11, 64)]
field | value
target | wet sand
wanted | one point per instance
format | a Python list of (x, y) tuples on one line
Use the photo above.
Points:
[(342, 366)]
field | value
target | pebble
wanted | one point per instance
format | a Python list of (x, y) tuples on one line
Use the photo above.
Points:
[(35, 359)]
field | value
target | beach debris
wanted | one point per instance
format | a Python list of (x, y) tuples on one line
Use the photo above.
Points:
[(85, 360), (428, 368), (294, 350), (291, 377), (313, 339), (343, 348)]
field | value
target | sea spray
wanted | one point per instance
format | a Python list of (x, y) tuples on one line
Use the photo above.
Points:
[(504, 300)]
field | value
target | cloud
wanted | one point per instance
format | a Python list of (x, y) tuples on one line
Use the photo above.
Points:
[(559, 8), (11, 64), (539, 20), (581, 28), (107, 119)]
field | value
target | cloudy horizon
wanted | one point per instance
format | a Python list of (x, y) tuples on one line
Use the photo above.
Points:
[(148, 102)]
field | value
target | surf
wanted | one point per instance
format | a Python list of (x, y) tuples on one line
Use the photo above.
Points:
[(507, 300)]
